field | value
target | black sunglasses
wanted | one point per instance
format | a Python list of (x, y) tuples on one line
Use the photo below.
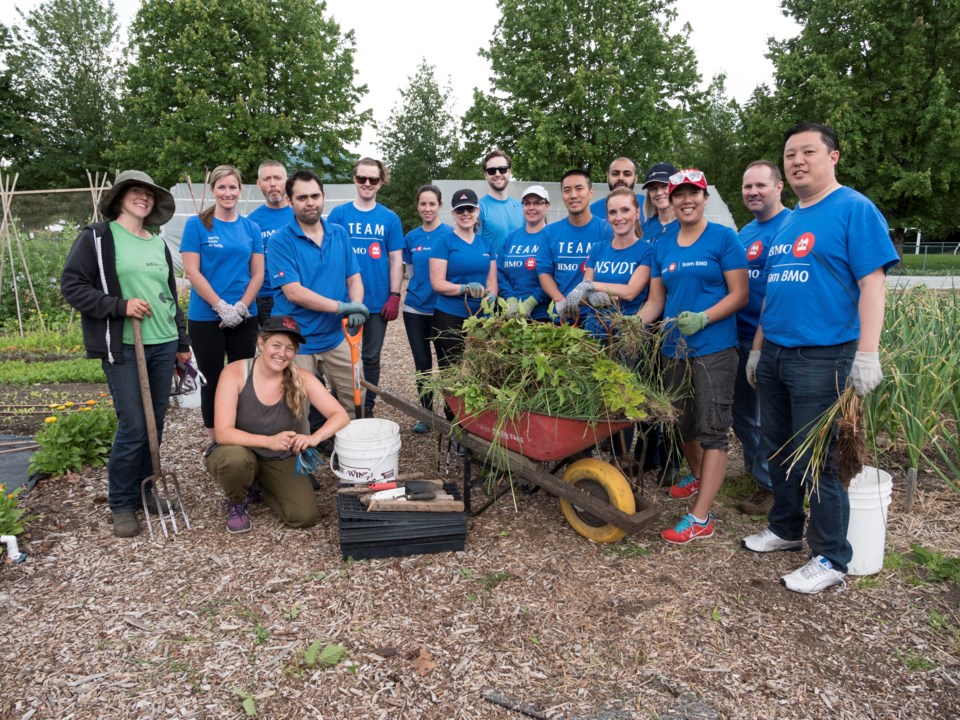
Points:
[(464, 209), (364, 180), (502, 169)]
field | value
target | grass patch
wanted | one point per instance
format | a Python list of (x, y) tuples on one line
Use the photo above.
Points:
[(21, 372), (940, 264), (58, 338)]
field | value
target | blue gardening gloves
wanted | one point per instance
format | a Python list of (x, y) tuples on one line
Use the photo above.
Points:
[(355, 312), (474, 290), (691, 323)]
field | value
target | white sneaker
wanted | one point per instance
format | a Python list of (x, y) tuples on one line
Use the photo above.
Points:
[(769, 541), (818, 574)]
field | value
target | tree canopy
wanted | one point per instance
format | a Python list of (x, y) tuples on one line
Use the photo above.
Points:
[(238, 81), (577, 84), (885, 74), (418, 141), (59, 90)]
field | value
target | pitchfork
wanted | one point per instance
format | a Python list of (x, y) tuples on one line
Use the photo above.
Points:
[(162, 482)]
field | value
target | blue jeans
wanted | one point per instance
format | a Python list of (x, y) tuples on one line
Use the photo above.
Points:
[(419, 332), (746, 423), (374, 331), (130, 462), (796, 386)]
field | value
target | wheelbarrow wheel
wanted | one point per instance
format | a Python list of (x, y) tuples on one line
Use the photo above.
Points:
[(604, 482)]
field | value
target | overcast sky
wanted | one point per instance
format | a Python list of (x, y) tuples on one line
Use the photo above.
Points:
[(392, 37)]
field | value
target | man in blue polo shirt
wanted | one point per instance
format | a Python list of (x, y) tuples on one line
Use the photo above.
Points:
[(315, 272), (819, 330), (621, 173), (274, 214), (762, 185), (377, 238), (562, 256)]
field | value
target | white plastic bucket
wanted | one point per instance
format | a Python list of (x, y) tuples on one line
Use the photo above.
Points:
[(869, 494), (366, 451)]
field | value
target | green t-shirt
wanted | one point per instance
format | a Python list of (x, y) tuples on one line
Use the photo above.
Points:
[(143, 272)]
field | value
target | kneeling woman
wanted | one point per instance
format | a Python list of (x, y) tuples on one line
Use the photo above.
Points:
[(261, 424)]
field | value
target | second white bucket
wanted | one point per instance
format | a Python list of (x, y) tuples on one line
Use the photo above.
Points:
[(366, 451), (869, 493)]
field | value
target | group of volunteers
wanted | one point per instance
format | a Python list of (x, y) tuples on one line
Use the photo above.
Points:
[(767, 326)]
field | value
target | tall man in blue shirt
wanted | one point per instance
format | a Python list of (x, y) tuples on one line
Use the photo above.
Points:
[(317, 278), (500, 214), (819, 330), (762, 185), (377, 238), (274, 214)]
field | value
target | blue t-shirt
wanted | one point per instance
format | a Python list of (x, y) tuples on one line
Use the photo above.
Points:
[(374, 234), (756, 237), (693, 280), (613, 265), (499, 218), (296, 258), (813, 267), (598, 208), (225, 252), (564, 251), (466, 263), (269, 220), (517, 270), (418, 245), (654, 230)]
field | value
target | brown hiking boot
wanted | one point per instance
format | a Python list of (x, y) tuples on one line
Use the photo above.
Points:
[(757, 504), (125, 523)]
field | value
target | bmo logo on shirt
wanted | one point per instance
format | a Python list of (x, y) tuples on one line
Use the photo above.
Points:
[(374, 250), (672, 267), (583, 266), (531, 263), (803, 245), (755, 250)]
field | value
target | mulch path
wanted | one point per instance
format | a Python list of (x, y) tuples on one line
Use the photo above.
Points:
[(529, 614)]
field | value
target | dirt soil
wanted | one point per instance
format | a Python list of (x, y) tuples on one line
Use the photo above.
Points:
[(529, 615)]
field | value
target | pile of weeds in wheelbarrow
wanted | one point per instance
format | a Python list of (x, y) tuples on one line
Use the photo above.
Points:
[(512, 366)]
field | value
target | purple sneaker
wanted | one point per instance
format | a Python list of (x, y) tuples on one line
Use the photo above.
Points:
[(237, 519)]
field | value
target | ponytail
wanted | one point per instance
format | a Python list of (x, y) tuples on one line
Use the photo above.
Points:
[(294, 391)]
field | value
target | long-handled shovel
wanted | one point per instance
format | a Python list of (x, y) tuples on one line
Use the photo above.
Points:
[(162, 482), (354, 341)]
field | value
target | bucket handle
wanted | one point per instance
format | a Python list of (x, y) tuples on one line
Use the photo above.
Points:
[(357, 481)]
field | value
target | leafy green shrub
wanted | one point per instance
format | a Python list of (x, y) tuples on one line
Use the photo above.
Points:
[(11, 516), (21, 372), (45, 253), (72, 441)]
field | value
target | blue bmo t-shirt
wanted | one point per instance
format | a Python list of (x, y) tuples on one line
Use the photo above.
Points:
[(565, 249), (374, 234), (613, 265), (517, 275), (269, 220), (466, 263), (296, 258), (756, 237), (418, 246), (813, 267), (499, 218), (653, 230), (225, 252), (693, 281)]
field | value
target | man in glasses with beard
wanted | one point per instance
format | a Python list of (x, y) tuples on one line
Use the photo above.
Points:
[(500, 214), (377, 239)]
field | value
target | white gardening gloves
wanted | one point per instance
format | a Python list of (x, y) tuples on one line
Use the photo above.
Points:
[(753, 359), (866, 373), (229, 315)]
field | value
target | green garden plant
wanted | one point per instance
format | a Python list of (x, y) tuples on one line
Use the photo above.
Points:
[(12, 516), (70, 442)]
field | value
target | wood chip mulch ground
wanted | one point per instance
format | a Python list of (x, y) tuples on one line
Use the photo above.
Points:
[(530, 620)]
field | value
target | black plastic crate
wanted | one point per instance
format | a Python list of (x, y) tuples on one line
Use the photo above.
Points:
[(365, 534)]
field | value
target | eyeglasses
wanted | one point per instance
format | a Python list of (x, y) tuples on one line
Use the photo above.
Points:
[(364, 180), (464, 209), (534, 203), (502, 169), (693, 176)]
